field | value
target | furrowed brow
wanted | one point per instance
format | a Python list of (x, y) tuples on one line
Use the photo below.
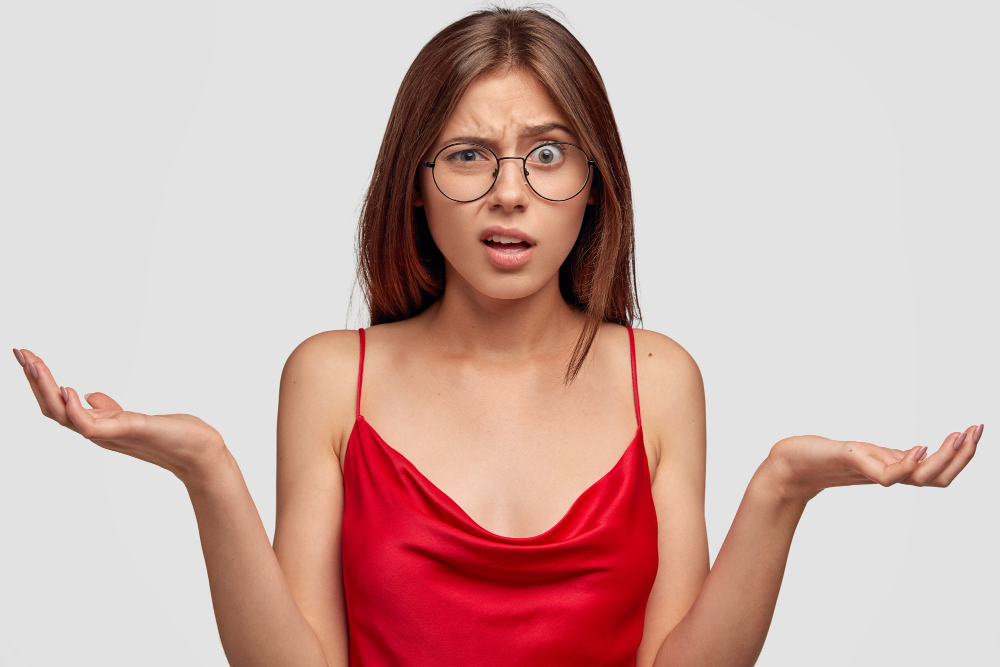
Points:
[(527, 131), (533, 130)]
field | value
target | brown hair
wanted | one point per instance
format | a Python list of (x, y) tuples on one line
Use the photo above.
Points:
[(400, 269)]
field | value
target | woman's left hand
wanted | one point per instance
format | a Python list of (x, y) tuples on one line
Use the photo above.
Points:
[(807, 464)]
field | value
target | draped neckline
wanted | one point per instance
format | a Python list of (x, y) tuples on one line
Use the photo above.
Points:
[(354, 441)]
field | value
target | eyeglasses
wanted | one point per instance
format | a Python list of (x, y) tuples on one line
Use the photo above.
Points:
[(556, 171)]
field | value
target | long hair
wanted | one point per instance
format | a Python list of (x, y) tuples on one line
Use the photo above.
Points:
[(400, 269)]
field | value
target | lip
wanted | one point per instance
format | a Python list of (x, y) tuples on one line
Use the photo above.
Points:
[(505, 231), (508, 260)]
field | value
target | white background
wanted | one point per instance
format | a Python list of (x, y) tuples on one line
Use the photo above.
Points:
[(817, 213)]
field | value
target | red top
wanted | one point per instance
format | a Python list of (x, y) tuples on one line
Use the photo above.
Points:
[(427, 585)]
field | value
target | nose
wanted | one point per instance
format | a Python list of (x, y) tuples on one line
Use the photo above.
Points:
[(511, 189)]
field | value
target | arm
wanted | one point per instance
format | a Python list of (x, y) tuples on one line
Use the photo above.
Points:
[(259, 621), (285, 605), (696, 614), (730, 617), (729, 620)]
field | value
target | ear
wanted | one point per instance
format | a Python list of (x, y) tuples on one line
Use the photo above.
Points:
[(591, 196)]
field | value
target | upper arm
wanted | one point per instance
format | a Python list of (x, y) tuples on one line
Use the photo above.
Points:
[(314, 398), (673, 408)]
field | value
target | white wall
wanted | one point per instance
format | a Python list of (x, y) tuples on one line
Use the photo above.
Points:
[(817, 216)]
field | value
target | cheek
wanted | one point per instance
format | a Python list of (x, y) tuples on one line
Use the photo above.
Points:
[(570, 236), (570, 217), (442, 228), (445, 221), (435, 204)]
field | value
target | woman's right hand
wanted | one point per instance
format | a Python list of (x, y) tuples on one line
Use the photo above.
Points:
[(182, 444)]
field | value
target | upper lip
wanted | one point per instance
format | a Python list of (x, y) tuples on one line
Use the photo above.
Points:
[(505, 231)]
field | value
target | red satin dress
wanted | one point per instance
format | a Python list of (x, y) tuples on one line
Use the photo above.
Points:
[(426, 585)]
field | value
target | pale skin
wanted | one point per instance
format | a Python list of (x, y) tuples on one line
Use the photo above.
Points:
[(492, 350)]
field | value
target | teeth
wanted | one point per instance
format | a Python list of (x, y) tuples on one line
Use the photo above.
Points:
[(503, 239)]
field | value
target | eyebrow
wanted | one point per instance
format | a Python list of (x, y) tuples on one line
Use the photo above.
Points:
[(526, 131)]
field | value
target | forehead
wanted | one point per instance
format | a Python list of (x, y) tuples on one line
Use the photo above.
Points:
[(503, 104)]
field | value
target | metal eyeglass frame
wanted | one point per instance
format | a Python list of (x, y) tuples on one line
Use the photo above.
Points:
[(591, 165)]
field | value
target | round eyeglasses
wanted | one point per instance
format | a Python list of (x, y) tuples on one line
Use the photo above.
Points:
[(556, 171)]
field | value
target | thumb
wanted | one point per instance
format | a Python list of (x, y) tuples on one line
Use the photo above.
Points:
[(102, 401)]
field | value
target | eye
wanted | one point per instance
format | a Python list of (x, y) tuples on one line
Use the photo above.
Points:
[(466, 155), (549, 154)]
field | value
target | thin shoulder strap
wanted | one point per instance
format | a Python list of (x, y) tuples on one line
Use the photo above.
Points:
[(635, 382), (361, 368)]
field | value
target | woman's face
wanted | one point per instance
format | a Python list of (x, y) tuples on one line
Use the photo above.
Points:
[(511, 114)]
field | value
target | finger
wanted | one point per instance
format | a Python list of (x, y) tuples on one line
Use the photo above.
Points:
[(91, 427), (878, 470), (102, 401), (961, 458), (887, 455), (933, 465), (27, 355), (45, 388)]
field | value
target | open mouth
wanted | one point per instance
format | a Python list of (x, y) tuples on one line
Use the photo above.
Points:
[(506, 243), (507, 247), (507, 252)]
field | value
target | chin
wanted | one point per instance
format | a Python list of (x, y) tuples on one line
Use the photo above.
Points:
[(513, 289), (482, 276)]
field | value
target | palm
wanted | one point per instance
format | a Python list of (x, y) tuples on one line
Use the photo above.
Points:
[(811, 463), (180, 443), (146, 437)]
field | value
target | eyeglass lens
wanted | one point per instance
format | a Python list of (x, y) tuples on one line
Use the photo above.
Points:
[(555, 171)]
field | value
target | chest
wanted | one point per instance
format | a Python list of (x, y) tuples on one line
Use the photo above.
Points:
[(513, 451)]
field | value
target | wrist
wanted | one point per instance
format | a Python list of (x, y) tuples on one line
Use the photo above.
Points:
[(776, 480), (213, 463)]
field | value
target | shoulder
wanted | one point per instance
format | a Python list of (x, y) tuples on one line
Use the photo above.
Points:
[(322, 354), (664, 358), (320, 377), (671, 387)]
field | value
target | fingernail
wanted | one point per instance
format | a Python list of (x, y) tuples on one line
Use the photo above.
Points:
[(978, 434), (65, 395), (921, 452), (86, 397), (19, 356), (958, 443), (34, 372)]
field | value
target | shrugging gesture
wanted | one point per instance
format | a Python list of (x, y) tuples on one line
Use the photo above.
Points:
[(807, 464), (182, 444)]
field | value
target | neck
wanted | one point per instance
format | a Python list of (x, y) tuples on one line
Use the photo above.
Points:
[(490, 329)]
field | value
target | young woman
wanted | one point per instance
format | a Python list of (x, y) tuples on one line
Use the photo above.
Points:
[(473, 478)]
